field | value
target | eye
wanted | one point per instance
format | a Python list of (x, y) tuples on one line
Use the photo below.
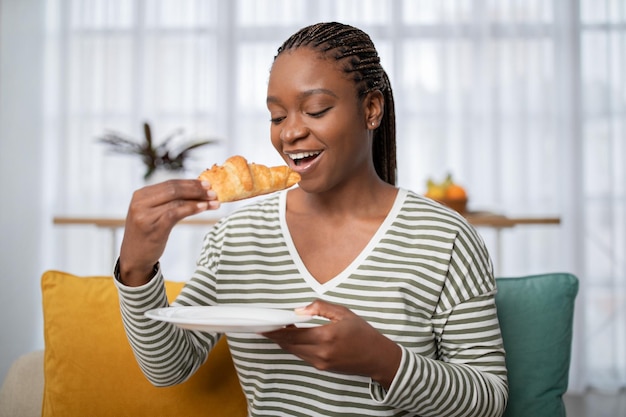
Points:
[(277, 116), (277, 112), (319, 113)]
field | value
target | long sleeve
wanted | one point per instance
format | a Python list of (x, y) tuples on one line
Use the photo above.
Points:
[(468, 378), (166, 354), (466, 373)]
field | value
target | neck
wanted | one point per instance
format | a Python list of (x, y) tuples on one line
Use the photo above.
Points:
[(351, 200)]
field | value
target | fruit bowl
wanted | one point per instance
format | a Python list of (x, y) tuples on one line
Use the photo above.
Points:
[(456, 204), (448, 193)]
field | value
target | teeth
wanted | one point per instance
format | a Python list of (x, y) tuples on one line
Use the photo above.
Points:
[(301, 155)]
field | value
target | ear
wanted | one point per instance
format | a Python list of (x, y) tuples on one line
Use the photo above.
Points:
[(374, 108)]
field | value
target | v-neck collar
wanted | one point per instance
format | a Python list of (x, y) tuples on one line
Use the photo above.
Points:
[(318, 287)]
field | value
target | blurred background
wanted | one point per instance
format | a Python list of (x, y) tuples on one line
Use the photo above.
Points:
[(523, 101)]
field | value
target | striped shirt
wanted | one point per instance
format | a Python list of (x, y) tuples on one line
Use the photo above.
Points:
[(424, 280)]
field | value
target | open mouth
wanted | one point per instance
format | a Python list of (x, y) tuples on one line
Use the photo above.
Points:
[(302, 158)]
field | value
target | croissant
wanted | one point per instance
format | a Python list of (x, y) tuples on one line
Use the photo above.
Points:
[(236, 179)]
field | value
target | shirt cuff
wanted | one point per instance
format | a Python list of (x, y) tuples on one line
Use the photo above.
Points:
[(381, 395), (118, 278)]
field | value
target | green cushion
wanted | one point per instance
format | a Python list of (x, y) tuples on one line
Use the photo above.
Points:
[(536, 317)]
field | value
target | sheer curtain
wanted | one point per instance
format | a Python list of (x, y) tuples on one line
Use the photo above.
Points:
[(522, 101), (603, 187)]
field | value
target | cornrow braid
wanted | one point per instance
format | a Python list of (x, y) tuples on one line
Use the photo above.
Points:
[(357, 53)]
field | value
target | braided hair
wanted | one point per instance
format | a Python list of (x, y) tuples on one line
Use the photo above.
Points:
[(354, 49)]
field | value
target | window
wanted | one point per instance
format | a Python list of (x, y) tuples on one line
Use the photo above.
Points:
[(524, 102)]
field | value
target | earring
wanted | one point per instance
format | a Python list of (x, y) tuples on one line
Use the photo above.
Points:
[(373, 123)]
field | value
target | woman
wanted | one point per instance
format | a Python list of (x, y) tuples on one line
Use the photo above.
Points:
[(405, 284)]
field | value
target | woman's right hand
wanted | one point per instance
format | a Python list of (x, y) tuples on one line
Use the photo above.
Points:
[(153, 212)]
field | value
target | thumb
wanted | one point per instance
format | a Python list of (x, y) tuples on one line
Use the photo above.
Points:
[(324, 309)]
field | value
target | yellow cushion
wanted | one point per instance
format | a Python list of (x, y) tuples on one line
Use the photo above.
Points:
[(90, 370)]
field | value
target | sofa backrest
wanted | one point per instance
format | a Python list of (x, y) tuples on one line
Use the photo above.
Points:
[(90, 370)]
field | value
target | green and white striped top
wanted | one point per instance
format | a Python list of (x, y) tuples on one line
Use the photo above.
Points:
[(425, 280)]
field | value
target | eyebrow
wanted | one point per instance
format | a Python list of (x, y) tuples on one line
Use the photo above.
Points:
[(305, 94)]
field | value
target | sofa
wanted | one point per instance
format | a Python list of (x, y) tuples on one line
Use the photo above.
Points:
[(88, 368)]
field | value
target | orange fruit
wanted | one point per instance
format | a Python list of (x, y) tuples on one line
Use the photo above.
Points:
[(455, 192)]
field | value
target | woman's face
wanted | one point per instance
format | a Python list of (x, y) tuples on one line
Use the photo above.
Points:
[(318, 124)]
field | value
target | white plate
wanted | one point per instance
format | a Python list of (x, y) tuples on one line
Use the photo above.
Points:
[(227, 319)]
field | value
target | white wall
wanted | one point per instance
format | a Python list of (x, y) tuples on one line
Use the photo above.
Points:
[(22, 218)]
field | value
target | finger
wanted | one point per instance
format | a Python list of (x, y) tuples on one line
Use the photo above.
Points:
[(163, 193), (325, 309), (176, 210), (173, 202), (162, 219)]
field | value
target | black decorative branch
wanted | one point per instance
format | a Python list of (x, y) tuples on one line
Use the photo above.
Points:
[(163, 156)]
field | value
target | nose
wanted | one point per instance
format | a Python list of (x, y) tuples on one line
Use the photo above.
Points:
[(293, 129)]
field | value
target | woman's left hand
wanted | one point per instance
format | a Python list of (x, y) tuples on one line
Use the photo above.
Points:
[(348, 344)]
